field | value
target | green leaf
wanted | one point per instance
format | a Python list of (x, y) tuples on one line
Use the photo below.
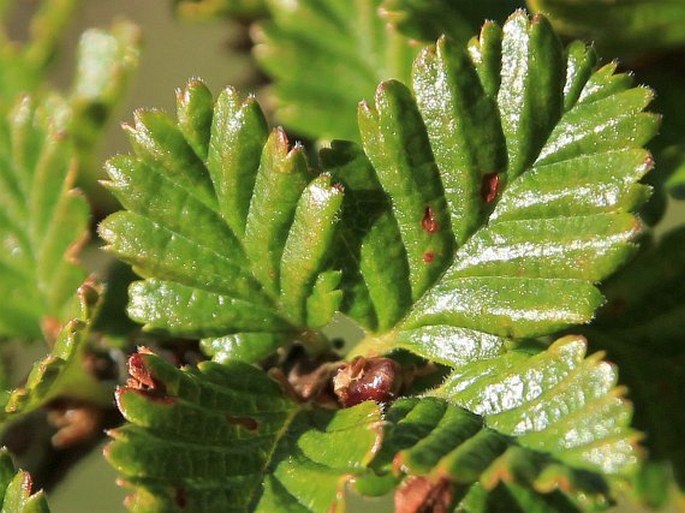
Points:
[(636, 26), (324, 57), (512, 430), (43, 221), (226, 438), (508, 184), (63, 372), (15, 489), (24, 65), (501, 188), (641, 329), (227, 225), (443, 444), (427, 21)]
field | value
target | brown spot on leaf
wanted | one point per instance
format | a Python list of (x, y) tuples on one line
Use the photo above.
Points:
[(428, 257), (429, 223), (372, 379), (490, 187), (244, 422), (421, 495)]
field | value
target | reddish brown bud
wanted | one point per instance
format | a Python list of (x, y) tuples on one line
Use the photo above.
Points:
[(421, 495), (373, 379)]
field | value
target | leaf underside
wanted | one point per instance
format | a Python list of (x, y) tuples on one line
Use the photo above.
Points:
[(324, 57), (225, 438), (227, 224)]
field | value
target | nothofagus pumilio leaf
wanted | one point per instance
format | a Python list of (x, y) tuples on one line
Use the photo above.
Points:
[(228, 225), (485, 203)]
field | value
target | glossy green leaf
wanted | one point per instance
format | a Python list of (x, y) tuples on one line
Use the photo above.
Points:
[(43, 221), (326, 56), (430, 439), (510, 170), (15, 489), (226, 438), (635, 26), (226, 223), (536, 398), (427, 21)]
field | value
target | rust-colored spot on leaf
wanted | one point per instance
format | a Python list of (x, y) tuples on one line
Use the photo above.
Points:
[(373, 379), (428, 257), (244, 422), (490, 187), (429, 223), (421, 495)]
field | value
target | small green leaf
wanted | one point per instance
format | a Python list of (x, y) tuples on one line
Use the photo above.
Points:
[(43, 222), (15, 489), (62, 372), (443, 444), (24, 65), (226, 438), (226, 223), (324, 58)]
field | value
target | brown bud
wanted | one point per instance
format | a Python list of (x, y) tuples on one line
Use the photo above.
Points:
[(421, 495), (373, 379)]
